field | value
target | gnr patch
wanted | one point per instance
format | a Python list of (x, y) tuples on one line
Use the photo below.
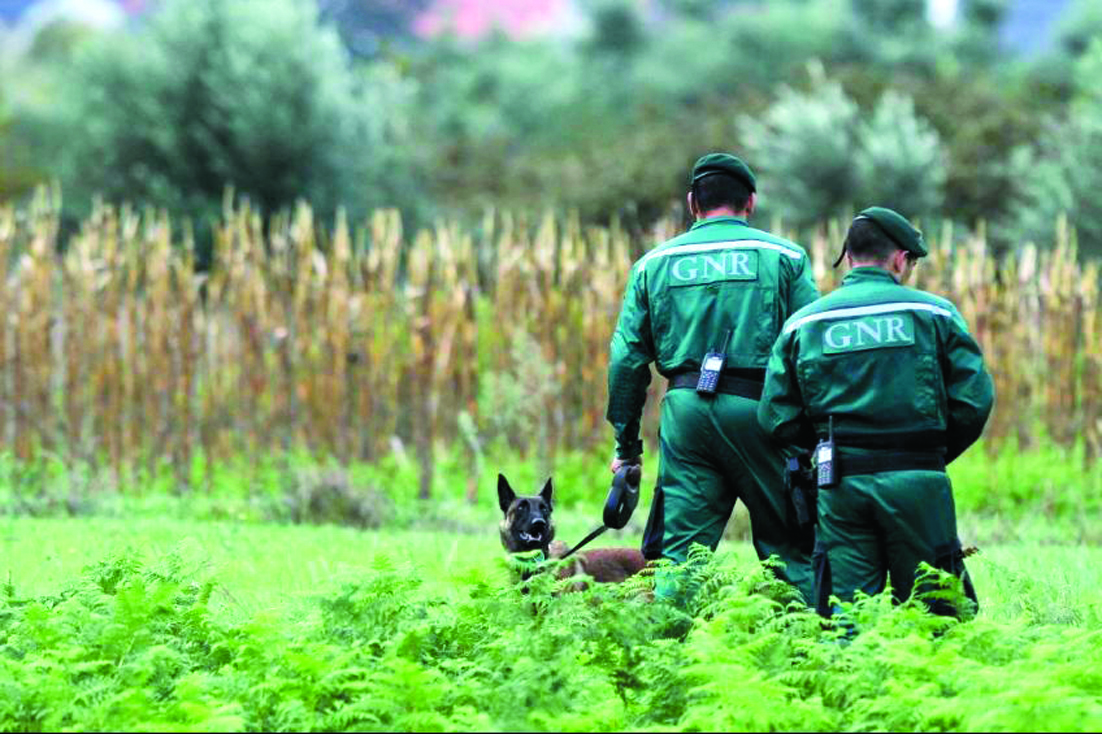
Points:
[(712, 267), (869, 332)]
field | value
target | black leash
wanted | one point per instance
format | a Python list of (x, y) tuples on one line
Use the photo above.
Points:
[(585, 540)]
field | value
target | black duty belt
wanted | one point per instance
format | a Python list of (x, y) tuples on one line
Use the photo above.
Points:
[(889, 440), (850, 464), (742, 383)]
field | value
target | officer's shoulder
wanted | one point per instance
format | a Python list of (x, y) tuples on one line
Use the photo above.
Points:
[(764, 236), (921, 296), (658, 248)]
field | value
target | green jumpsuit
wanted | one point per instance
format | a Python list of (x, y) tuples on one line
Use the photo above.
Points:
[(681, 298), (908, 392)]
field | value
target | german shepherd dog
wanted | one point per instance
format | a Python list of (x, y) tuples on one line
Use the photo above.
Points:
[(526, 526)]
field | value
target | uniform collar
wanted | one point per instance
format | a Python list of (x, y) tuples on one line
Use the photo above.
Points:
[(717, 220), (868, 274)]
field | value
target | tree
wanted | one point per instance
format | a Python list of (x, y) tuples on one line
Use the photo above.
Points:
[(251, 94), (820, 156), (899, 161), (803, 147), (1062, 173)]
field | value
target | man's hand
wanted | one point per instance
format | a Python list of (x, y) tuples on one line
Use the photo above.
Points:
[(617, 463)]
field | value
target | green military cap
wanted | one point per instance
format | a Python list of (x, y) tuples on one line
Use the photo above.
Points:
[(896, 227), (714, 163)]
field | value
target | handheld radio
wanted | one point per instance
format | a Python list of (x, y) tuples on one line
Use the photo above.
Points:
[(826, 473), (711, 367)]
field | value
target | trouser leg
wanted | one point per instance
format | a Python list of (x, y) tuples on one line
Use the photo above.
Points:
[(849, 551), (753, 469), (712, 451), (690, 504), (917, 512)]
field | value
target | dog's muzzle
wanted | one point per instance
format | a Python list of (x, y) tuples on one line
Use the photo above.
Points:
[(535, 532)]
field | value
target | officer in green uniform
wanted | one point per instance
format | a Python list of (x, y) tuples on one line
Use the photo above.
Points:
[(722, 287), (895, 372)]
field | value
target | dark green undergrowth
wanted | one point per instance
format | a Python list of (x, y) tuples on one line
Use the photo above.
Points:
[(132, 645), (299, 488)]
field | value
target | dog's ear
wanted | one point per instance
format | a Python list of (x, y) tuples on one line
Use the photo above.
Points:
[(546, 491), (505, 493)]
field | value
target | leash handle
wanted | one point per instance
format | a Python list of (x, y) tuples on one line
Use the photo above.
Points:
[(585, 540)]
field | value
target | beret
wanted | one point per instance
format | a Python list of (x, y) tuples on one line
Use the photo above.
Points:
[(897, 228), (725, 163)]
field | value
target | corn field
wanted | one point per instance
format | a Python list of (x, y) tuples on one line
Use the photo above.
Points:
[(350, 342)]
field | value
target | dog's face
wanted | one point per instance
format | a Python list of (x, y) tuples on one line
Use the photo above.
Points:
[(526, 524)]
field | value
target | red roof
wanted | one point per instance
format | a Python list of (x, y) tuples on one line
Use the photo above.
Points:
[(475, 18)]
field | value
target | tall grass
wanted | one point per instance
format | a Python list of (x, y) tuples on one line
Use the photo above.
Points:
[(353, 341)]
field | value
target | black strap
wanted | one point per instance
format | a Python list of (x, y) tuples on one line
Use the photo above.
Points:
[(730, 383), (850, 464), (585, 540), (906, 441)]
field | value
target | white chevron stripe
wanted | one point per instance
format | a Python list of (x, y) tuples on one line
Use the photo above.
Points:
[(726, 245), (841, 313)]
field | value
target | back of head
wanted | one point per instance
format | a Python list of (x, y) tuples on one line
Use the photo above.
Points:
[(877, 233), (722, 180), (867, 242), (720, 190)]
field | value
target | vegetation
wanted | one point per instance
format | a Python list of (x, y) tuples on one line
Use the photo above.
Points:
[(315, 279), (350, 342), (603, 116), (160, 642)]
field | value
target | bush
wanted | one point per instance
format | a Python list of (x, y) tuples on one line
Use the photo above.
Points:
[(1062, 173), (248, 94), (899, 162), (819, 157), (803, 146)]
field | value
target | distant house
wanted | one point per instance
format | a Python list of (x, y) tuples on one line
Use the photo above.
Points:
[(475, 18)]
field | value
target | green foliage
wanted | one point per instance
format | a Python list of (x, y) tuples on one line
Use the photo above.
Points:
[(604, 116), (1060, 173), (131, 645), (1077, 28), (978, 113), (900, 162), (804, 144), (253, 95), (820, 157), (1055, 482), (1047, 481), (892, 32)]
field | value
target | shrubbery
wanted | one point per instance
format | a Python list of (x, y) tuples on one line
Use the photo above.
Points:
[(132, 644), (603, 117), (820, 154), (254, 96)]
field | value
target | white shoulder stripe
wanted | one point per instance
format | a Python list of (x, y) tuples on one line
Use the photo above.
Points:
[(724, 245), (841, 313)]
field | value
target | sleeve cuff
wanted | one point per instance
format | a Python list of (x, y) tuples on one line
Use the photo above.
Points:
[(629, 450)]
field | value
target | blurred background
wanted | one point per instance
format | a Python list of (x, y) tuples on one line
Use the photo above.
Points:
[(365, 230), (971, 110)]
